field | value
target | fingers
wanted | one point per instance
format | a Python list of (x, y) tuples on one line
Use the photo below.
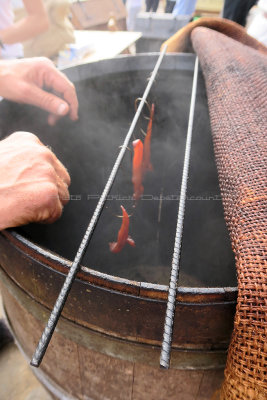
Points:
[(59, 168), (52, 119), (22, 136), (49, 202), (62, 179), (58, 175), (24, 80), (63, 192), (48, 206), (46, 155), (46, 101), (58, 82)]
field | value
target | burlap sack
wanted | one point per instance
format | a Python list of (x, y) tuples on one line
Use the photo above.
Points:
[(181, 42), (236, 82)]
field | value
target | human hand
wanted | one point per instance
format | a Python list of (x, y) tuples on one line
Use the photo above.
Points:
[(23, 81), (33, 182)]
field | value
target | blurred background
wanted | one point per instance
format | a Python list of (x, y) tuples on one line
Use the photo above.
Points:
[(90, 30)]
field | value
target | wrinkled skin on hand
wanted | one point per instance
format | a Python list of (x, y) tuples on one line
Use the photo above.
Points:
[(23, 81), (33, 182)]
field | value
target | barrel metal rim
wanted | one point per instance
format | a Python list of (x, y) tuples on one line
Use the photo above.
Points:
[(110, 282)]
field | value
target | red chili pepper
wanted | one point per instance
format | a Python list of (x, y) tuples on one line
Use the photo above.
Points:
[(147, 166), (123, 237), (137, 176)]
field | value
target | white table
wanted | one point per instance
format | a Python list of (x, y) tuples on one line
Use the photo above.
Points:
[(96, 45)]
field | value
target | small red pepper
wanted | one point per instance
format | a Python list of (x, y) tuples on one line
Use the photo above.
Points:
[(137, 176), (123, 237)]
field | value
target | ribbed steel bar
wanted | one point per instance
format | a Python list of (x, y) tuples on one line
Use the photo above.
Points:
[(169, 318), (55, 314)]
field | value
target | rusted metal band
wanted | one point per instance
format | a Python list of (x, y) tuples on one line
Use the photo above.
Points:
[(182, 358)]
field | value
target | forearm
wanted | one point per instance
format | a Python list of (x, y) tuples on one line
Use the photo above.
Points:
[(25, 29)]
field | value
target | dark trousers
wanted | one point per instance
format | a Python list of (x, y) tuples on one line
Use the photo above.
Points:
[(169, 6), (237, 10), (152, 5)]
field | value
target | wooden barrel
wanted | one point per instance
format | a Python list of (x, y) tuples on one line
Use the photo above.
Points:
[(107, 342)]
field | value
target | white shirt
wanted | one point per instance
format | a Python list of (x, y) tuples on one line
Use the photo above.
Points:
[(258, 26), (6, 20), (132, 3)]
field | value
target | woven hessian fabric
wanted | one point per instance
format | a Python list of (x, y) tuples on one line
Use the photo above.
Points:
[(236, 83), (181, 40)]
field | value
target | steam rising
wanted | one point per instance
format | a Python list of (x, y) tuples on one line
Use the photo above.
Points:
[(89, 148)]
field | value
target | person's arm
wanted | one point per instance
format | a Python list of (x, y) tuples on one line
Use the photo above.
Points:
[(32, 25), (23, 81), (33, 182)]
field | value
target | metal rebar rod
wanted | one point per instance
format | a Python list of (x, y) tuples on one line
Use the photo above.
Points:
[(169, 317), (55, 314)]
